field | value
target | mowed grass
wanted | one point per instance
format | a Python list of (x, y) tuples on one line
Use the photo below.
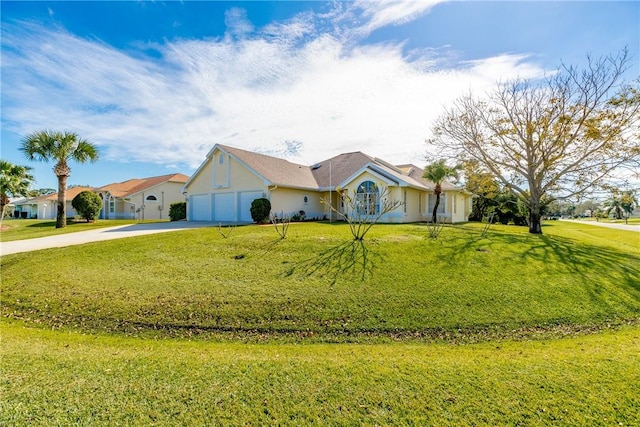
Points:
[(69, 378), (190, 328), (20, 229), (318, 285)]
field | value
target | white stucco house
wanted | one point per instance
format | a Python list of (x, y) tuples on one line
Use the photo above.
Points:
[(229, 179), (137, 198), (142, 198), (46, 206)]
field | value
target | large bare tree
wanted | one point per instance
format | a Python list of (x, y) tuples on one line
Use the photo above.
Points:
[(552, 138)]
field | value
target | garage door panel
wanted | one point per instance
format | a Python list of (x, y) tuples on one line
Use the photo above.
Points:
[(245, 198), (223, 207), (200, 208)]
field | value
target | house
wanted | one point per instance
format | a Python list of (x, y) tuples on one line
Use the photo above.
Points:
[(229, 179), (46, 206), (142, 199)]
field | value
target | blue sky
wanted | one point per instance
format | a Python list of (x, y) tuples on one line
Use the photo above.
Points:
[(156, 84)]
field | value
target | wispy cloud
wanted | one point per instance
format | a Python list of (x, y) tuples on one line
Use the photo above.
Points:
[(381, 13), (290, 89)]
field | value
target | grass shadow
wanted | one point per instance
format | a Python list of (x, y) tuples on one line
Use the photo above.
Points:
[(48, 224), (352, 257), (584, 262)]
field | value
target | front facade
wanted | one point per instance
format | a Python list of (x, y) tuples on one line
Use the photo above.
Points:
[(142, 199), (226, 183)]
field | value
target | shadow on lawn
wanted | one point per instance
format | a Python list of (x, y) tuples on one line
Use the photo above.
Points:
[(586, 263), (353, 257)]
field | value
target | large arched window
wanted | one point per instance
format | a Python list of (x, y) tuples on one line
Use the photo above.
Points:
[(367, 195)]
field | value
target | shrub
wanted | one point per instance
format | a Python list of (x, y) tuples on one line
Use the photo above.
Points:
[(178, 211), (88, 205), (260, 210)]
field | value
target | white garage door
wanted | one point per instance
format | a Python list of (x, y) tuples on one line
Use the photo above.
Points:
[(223, 207), (200, 208), (246, 197)]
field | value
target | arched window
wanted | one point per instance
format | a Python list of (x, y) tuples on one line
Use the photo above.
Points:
[(151, 198), (367, 196)]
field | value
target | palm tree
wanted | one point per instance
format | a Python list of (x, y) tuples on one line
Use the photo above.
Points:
[(628, 202), (437, 172), (614, 203), (15, 181), (60, 147)]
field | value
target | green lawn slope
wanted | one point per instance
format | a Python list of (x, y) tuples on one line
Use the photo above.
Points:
[(192, 328), (319, 283)]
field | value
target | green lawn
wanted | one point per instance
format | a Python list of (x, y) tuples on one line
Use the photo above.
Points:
[(192, 328), (20, 229), (70, 378)]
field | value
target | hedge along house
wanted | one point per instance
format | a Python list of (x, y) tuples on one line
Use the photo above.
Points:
[(46, 206), (225, 184), (142, 199)]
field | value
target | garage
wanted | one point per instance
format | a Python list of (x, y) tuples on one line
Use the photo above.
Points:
[(223, 207), (245, 198), (200, 208)]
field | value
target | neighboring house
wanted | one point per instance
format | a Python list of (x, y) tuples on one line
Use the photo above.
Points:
[(142, 199), (46, 207), (229, 179)]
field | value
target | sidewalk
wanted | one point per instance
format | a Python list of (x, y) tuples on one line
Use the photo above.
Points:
[(628, 227), (109, 233)]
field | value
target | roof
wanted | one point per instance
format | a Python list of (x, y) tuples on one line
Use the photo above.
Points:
[(416, 173), (138, 185), (327, 174), (53, 197), (273, 169)]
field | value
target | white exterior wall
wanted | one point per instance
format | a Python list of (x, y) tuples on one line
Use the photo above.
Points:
[(165, 194), (292, 201)]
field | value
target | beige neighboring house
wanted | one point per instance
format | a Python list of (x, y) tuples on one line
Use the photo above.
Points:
[(229, 179), (46, 207), (142, 199)]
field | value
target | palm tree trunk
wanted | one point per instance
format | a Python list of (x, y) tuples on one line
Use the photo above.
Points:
[(61, 216), (434, 218)]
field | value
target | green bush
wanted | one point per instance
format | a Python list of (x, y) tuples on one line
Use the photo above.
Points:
[(178, 211), (260, 210), (88, 205)]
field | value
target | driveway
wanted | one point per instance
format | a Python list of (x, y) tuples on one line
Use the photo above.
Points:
[(97, 235), (628, 227)]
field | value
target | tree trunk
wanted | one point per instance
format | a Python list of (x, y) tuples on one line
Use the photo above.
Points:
[(434, 219), (61, 217), (535, 221)]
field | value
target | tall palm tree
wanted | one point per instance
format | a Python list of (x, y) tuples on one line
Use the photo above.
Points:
[(15, 181), (437, 172), (60, 147)]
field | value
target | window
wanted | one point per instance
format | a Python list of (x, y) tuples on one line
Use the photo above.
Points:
[(151, 198), (112, 206), (367, 198), (221, 159), (404, 200)]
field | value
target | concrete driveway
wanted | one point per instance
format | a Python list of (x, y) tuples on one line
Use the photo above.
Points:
[(628, 227), (97, 235)]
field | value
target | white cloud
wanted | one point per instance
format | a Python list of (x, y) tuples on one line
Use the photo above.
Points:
[(237, 22), (381, 13), (293, 91)]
